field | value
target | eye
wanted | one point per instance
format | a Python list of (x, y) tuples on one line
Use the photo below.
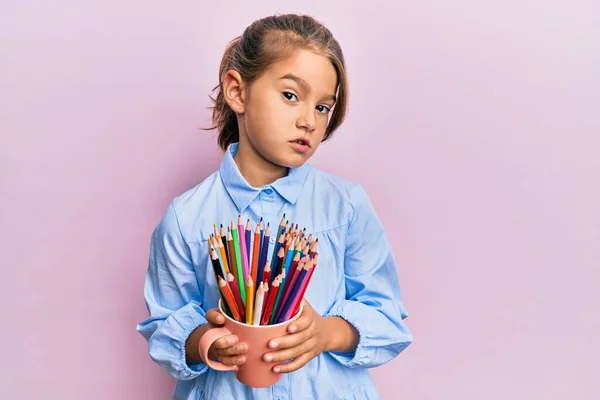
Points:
[(323, 109), (290, 96)]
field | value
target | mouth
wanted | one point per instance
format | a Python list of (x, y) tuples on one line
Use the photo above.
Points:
[(302, 142)]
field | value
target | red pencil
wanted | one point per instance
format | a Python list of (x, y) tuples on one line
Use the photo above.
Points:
[(268, 309), (236, 294), (267, 273)]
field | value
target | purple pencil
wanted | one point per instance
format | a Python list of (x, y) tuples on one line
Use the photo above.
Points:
[(264, 253), (248, 241), (293, 295)]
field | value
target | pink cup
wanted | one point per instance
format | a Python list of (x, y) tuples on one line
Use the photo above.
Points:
[(255, 371)]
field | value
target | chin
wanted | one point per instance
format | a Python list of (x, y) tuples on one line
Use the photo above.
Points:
[(288, 159)]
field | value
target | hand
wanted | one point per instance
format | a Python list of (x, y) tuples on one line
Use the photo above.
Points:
[(305, 341), (227, 349)]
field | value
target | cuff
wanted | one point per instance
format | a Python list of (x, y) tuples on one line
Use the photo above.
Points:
[(167, 344), (346, 309)]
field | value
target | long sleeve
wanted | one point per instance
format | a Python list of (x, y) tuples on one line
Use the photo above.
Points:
[(173, 298), (373, 304)]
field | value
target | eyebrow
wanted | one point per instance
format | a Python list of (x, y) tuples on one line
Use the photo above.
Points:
[(303, 83)]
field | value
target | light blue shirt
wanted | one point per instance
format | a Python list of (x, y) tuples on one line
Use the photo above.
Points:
[(356, 279)]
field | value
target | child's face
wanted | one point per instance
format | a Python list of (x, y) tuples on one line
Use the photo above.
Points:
[(288, 107)]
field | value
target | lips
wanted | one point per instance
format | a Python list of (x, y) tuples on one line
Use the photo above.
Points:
[(302, 141)]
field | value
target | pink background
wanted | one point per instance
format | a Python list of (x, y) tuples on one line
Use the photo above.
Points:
[(488, 116)]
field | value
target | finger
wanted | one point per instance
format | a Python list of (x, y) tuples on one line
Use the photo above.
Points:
[(300, 327), (294, 365), (303, 322), (290, 340), (215, 317), (233, 361), (289, 353), (240, 348), (226, 341)]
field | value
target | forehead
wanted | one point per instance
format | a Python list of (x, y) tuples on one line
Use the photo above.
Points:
[(316, 70)]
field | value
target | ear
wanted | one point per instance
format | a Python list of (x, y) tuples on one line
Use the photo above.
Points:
[(234, 91)]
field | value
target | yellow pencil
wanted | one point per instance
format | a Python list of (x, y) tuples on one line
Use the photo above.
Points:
[(249, 299)]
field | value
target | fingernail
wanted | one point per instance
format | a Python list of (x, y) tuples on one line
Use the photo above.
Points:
[(293, 328), (268, 357), (276, 370), (273, 344)]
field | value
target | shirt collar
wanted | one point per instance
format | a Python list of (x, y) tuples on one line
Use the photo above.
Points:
[(243, 194)]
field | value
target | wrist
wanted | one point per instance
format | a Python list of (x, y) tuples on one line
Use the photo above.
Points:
[(331, 338), (192, 350), (340, 335)]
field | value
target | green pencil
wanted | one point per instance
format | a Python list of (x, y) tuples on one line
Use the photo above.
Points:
[(238, 262)]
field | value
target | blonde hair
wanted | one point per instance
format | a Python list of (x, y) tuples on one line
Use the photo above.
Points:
[(265, 42)]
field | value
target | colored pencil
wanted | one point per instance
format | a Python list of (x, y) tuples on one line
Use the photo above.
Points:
[(223, 254), (266, 237), (254, 288), (238, 262), (231, 252), (261, 230), (248, 244), (215, 246), (289, 285), (250, 299), (298, 301), (289, 257), (279, 263), (255, 255), (267, 272), (215, 264), (236, 294), (277, 299), (224, 242), (295, 294), (280, 231), (244, 251), (218, 271), (260, 293), (230, 300), (268, 309)]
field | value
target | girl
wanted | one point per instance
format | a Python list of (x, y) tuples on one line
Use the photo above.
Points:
[(282, 91)]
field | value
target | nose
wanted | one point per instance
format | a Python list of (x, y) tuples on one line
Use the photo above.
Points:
[(307, 119)]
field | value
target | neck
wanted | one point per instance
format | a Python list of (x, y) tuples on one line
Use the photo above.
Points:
[(254, 168)]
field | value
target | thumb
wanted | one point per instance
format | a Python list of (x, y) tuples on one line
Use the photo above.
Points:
[(215, 317)]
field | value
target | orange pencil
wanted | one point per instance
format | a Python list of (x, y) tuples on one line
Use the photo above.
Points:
[(228, 296), (223, 254), (255, 252)]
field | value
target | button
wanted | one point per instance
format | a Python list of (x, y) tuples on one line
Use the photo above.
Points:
[(268, 191), (272, 239)]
